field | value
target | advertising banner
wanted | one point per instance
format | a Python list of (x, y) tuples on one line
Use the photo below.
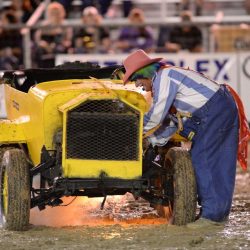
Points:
[(221, 67)]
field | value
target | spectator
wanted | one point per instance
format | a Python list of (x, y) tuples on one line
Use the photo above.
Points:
[(163, 38), (10, 42), (53, 38), (193, 5), (93, 37), (137, 35), (16, 6), (185, 37)]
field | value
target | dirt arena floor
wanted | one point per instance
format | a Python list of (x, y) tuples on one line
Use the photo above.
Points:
[(126, 224)]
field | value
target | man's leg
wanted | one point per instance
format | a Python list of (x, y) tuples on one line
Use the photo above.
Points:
[(214, 156)]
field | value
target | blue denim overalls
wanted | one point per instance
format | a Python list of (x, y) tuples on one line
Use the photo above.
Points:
[(214, 153)]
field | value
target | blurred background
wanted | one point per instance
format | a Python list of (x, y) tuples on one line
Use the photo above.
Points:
[(210, 36)]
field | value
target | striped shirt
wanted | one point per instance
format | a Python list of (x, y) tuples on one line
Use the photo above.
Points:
[(187, 90)]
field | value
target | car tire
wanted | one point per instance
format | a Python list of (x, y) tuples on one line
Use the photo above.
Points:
[(179, 186), (14, 189)]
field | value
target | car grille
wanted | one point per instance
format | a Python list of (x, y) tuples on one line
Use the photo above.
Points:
[(103, 130)]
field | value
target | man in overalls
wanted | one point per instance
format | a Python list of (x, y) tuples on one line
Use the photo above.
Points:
[(211, 123)]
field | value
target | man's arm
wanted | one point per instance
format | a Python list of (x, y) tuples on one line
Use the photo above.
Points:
[(164, 92), (162, 135)]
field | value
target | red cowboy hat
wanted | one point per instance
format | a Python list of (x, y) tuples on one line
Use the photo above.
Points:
[(135, 61)]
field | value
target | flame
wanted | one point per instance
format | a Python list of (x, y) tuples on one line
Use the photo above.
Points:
[(122, 210)]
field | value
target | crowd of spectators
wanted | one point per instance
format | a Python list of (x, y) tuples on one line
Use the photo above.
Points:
[(186, 36), (54, 37), (136, 34), (92, 37)]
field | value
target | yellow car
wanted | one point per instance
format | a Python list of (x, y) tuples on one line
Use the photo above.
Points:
[(75, 131)]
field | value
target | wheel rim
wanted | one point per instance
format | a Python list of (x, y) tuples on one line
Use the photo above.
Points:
[(5, 193)]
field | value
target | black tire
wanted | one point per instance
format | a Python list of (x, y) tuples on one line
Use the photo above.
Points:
[(14, 189), (180, 187)]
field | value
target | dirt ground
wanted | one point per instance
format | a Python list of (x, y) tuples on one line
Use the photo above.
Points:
[(125, 224)]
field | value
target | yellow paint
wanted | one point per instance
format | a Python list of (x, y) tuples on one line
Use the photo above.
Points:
[(45, 106), (11, 131), (84, 97), (191, 135), (93, 168)]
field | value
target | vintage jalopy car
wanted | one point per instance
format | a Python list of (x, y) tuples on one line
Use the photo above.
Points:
[(77, 129)]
